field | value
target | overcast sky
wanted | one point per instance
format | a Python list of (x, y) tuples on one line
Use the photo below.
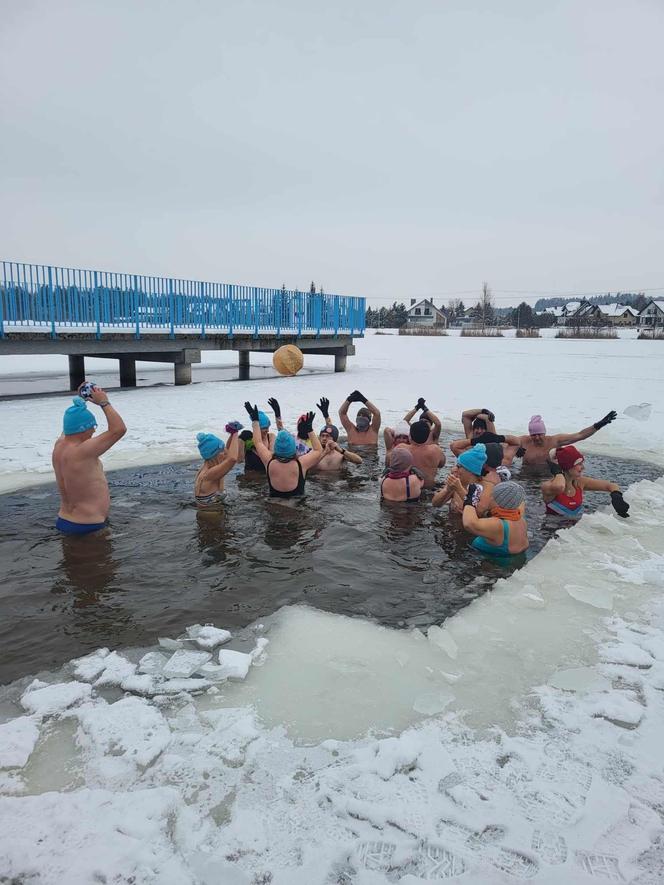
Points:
[(385, 149)]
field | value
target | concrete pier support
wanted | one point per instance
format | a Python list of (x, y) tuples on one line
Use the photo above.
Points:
[(340, 360), (76, 370), (244, 365), (128, 371), (182, 373)]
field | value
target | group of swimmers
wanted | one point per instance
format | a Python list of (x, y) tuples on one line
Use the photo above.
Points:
[(479, 487)]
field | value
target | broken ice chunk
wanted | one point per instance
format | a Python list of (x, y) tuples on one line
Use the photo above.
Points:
[(87, 668), (145, 684), (442, 638), (130, 727), (183, 663), (213, 672), (432, 702), (169, 644), (116, 669), (153, 663), (580, 679), (208, 637), (598, 597), (641, 411), (174, 686), (257, 653), (51, 699), (235, 663), (17, 741)]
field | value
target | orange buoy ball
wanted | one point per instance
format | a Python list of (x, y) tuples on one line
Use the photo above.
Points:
[(288, 360)]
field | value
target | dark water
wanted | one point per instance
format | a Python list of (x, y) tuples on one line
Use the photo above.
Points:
[(162, 565)]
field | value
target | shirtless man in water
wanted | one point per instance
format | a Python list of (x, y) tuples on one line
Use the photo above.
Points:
[(427, 456), (367, 423), (537, 443), (84, 496), (334, 456)]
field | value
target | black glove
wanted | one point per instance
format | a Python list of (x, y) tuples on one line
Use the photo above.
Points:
[(307, 426), (420, 405), (470, 494), (489, 414), (252, 411), (555, 469), (607, 419), (276, 408), (324, 406), (352, 397), (520, 452), (360, 397), (619, 504)]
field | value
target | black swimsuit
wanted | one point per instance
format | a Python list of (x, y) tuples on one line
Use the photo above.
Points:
[(297, 492), (252, 461)]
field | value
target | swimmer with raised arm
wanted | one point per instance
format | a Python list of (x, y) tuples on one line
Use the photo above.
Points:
[(247, 451), (367, 423), (426, 415), (334, 456), (286, 473), (428, 457), (504, 532), (84, 497), (535, 446), (479, 427), (563, 495), (219, 458)]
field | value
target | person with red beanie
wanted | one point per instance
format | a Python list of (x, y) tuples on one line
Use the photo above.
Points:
[(563, 495)]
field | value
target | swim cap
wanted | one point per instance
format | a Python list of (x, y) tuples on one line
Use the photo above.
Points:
[(473, 460), (494, 454), (401, 428), (401, 460), (263, 421), (209, 445), (536, 425), (330, 430), (362, 423), (509, 495), (419, 431), (568, 456), (284, 445), (77, 418)]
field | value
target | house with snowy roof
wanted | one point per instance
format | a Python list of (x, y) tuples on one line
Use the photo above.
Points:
[(425, 314), (652, 314), (618, 314)]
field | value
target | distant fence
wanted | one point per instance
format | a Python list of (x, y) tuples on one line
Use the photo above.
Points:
[(38, 297)]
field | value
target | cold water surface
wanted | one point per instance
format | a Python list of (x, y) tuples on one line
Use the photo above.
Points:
[(163, 565)]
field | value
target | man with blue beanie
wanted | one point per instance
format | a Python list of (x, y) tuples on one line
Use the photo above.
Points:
[(285, 472), (468, 470), (84, 496)]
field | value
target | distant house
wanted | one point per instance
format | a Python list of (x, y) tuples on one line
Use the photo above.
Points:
[(618, 314), (425, 313), (564, 313), (652, 314)]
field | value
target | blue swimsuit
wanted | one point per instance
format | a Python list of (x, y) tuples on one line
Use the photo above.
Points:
[(77, 528), (483, 546)]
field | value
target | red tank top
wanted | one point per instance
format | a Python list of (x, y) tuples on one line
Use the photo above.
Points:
[(567, 505)]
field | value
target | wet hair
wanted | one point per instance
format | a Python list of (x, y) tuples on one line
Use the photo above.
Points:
[(479, 424), (419, 431)]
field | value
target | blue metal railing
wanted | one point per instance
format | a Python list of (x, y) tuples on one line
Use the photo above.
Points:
[(65, 299)]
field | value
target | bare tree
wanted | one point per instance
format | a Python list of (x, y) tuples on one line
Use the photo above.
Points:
[(486, 303)]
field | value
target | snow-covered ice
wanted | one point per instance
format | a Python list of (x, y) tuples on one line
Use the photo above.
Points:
[(518, 741), (184, 663)]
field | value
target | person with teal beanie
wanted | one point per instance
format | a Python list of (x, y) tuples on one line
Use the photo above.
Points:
[(84, 497), (285, 472), (219, 459), (468, 470)]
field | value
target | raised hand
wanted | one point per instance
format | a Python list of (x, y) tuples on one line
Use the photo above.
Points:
[(607, 419), (324, 407), (555, 469), (252, 411), (307, 425), (619, 504), (352, 397), (489, 414), (470, 495), (233, 427), (360, 397), (421, 405), (274, 405)]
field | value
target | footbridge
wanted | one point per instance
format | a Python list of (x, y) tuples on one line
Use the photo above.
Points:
[(130, 317)]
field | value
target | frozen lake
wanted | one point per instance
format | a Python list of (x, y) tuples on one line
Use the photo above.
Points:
[(517, 740)]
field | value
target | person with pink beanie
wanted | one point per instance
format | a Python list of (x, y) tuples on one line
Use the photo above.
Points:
[(534, 447)]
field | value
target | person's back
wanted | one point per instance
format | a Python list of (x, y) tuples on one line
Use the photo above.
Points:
[(84, 495), (427, 456)]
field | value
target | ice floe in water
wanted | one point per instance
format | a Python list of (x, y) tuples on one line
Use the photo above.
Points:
[(520, 741)]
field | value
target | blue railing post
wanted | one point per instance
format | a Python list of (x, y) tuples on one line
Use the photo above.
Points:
[(277, 304), (137, 313), (336, 316), (203, 305), (256, 311), (51, 305), (95, 306), (2, 299), (231, 309), (171, 308)]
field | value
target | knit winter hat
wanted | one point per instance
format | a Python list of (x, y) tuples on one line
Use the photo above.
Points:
[(509, 495), (536, 425), (419, 431), (473, 460), (567, 457), (209, 445), (77, 418), (284, 445)]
